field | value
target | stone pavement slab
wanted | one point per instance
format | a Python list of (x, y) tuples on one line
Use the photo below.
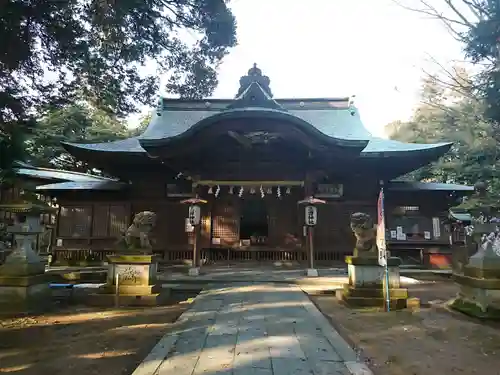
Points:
[(253, 329)]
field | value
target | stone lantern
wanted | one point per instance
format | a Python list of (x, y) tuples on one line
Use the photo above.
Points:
[(23, 286), (479, 278)]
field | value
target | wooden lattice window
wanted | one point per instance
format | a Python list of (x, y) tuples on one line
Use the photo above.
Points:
[(75, 221), (100, 224), (225, 223), (118, 220), (406, 211)]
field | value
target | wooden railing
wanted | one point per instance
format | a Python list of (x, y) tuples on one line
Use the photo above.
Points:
[(208, 256), (81, 257), (85, 257)]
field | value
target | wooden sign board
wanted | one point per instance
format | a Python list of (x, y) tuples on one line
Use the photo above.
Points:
[(329, 191), (179, 190)]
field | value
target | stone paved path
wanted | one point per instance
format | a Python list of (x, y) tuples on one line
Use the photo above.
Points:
[(254, 329)]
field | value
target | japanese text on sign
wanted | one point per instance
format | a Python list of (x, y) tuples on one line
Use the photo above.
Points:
[(311, 215), (194, 215)]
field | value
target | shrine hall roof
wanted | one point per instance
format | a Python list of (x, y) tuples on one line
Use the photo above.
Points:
[(335, 118), (341, 123), (111, 185), (28, 170)]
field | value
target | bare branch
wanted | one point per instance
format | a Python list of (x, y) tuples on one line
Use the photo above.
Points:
[(453, 82), (450, 24), (459, 14), (477, 9)]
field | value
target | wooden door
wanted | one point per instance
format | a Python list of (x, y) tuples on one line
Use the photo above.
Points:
[(226, 222)]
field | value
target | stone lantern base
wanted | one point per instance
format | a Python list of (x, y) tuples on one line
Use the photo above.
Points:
[(366, 283), (24, 287), (137, 284)]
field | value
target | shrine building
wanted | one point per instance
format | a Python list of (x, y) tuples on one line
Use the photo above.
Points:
[(253, 158)]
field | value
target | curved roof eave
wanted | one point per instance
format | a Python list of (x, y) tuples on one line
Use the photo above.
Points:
[(58, 175), (129, 145), (318, 122), (378, 147), (428, 186), (254, 113), (84, 185)]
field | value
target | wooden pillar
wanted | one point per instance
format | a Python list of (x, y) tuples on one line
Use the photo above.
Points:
[(196, 256), (194, 271), (309, 182)]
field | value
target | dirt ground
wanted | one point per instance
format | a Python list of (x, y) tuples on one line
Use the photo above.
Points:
[(429, 341), (83, 340)]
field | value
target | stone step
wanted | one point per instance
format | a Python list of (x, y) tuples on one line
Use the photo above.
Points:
[(77, 276), (133, 290), (364, 292), (183, 287), (395, 303)]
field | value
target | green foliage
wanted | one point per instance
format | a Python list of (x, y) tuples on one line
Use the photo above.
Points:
[(11, 149), (448, 114), (143, 124), (74, 123), (482, 46), (55, 52)]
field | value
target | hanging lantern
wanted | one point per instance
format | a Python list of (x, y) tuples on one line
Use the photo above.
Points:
[(252, 190), (262, 195), (217, 191), (288, 190), (240, 194), (269, 190), (210, 190), (231, 190), (278, 192)]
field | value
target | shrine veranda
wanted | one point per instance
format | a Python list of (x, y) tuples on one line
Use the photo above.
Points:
[(252, 158)]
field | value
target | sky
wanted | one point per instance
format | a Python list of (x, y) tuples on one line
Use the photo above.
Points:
[(373, 49)]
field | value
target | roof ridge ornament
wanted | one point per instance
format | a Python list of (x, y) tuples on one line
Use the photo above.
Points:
[(254, 75), (351, 105)]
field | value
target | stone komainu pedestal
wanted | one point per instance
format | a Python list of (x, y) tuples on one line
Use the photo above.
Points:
[(366, 283), (479, 277), (137, 283), (479, 280)]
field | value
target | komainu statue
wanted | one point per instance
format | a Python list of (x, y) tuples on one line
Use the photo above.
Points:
[(136, 237), (366, 233)]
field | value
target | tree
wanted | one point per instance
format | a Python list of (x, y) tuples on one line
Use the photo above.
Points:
[(11, 149), (73, 123), (475, 24), (143, 124), (447, 115), (56, 51)]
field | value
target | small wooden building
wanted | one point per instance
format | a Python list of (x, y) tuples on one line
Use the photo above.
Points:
[(28, 178), (253, 158)]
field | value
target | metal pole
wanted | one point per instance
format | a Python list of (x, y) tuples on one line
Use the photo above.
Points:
[(195, 246), (387, 298), (383, 251), (311, 247), (117, 289)]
